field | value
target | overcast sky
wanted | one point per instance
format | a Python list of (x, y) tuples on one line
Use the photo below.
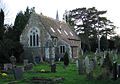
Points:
[(49, 7)]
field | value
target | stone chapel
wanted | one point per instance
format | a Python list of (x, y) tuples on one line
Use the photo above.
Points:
[(48, 38)]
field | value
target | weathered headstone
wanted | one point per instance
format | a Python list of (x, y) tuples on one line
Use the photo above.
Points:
[(77, 63), (95, 58), (104, 54), (94, 63), (18, 73), (91, 65), (53, 68), (1, 66), (87, 64), (7, 66), (13, 61), (87, 67), (28, 67), (37, 59), (101, 60), (115, 70), (115, 57), (119, 70), (80, 66), (25, 62)]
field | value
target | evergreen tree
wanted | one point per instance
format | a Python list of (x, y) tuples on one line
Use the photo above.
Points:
[(20, 22), (66, 59), (88, 23), (9, 43), (103, 43), (116, 40), (2, 16)]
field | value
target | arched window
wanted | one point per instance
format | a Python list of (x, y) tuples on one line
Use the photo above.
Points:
[(30, 40), (37, 40), (62, 49), (33, 37)]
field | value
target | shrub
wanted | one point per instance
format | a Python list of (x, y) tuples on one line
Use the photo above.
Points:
[(66, 59)]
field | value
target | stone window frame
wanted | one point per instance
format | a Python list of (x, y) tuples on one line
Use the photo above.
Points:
[(33, 36), (62, 49)]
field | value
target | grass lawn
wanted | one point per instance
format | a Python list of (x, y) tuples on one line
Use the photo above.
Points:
[(69, 74)]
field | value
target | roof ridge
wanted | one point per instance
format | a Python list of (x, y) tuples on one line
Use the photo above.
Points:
[(44, 16)]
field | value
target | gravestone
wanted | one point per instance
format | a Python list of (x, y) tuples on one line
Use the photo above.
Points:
[(80, 66), (119, 70), (18, 73), (1, 66), (101, 60), (94, 63), (116, 57), (95, 58), (28, 67), (91, 65), (7, 66), (89, 68), (37, 59), (77, 63), (13, 60), (53, 68), (25, 62), (87, 64), (115, 70)]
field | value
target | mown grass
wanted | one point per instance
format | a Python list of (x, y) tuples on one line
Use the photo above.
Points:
[(70, 75)]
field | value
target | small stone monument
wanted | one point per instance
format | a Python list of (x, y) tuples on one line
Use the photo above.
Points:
[(91, 65), (28, 67), (119, 70), (13, 61), (25, 62), (115, 70), (53, 67), (80, 66), (101, 60), (7, 66), (18, 73), (87, 66), (37, 59)]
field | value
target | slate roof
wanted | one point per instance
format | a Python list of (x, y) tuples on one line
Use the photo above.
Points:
[(60, 30), (56, 28)]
